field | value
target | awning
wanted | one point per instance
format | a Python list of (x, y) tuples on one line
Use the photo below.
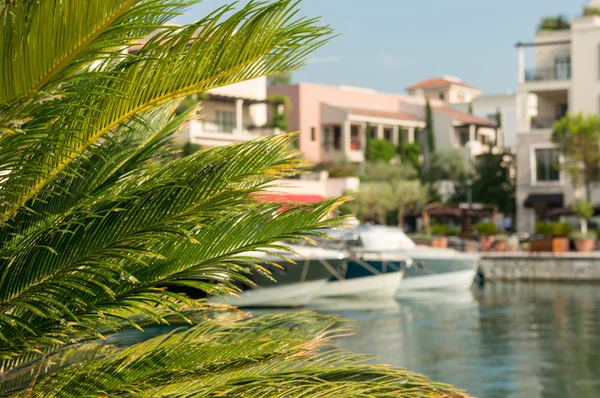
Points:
[(290, 198), (554, 200)]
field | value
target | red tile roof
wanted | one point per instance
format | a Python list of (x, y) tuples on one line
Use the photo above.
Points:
[(463, 117), (386, 114), (438, 82)]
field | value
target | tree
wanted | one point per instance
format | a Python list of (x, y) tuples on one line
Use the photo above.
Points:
[(372, 202), (385, 172), (548, 24), (281, 107), (447, 164), (584, 210), (411, 154), (189, 148), (380, 150), (430, 127), (279, 79), (97, 219), (408, 195), (470, 108), (578, 140), (493, 182)]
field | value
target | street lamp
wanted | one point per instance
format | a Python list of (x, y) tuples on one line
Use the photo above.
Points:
[(469, 183)]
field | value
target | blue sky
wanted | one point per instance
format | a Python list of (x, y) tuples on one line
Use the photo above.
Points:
[(388, 44)]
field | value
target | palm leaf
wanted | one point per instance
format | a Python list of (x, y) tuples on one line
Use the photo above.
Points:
[(172, 64), (229, 357)]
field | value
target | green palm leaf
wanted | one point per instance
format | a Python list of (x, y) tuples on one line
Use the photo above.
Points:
[(102, 224)]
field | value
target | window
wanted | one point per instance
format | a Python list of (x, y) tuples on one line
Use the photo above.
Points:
[(226, 121), (561, 110), (313, 134), (332, 138), (547, 165), (442, 96), (355, 143), (388, 134), (463, 138), (562, 67)]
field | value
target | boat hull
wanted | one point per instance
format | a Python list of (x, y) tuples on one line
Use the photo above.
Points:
[(454, 280), (374, 286), (284, 296), (295, 285)]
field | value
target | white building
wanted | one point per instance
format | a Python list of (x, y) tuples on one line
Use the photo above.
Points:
[(446, 88), (488, 106), (231, 114), (565, 78)]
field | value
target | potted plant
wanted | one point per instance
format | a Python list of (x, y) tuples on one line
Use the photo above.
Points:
[(584, 241), (554, 237), (440, 234), (500, 243), (486, 232)]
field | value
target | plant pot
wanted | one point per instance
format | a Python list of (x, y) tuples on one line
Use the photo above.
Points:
[(485, 243), (553, 245), (500, 245), (585, 245), (440, 242), (470, 246)]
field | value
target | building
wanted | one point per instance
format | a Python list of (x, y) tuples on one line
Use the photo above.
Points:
[(228, 115), (332, 121), (231, 114), (565, 78), (505, 106), (446, 88)]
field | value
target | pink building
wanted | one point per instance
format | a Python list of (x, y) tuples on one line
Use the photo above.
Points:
[(332, 121)]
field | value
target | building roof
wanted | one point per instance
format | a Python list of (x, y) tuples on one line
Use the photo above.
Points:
[(444, 81), (465, 118), (384, 114)]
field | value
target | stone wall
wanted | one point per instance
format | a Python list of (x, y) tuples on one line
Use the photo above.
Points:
[(541, 267)]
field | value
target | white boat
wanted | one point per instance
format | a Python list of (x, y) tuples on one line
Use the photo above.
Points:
[(296, 283), (432, 268), (368, 275)]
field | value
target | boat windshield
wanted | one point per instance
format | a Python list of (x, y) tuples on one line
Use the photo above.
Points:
[(383, 238)]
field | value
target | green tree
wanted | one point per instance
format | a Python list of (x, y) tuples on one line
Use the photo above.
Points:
[(372, 202), (471, 107), (279, 79), (189, 148), (430, 127), (97, 219), (385, 172), (584, 210), (380, 150), (578, 139), (493, 182), (548, 24), (411, 154), (447, 164), (407, 196)]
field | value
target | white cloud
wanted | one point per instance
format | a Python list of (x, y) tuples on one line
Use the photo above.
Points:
[(323, 60)]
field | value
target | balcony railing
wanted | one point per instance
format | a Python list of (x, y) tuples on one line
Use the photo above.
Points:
[(543, 122), (548, 74)]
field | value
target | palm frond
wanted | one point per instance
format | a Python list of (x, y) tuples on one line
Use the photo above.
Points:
[(259, 39), (83, 32), (229, 357)]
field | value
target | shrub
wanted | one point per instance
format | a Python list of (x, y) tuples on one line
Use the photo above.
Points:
[(486, 228), (553, 229), (444, 230), (380, 150), (549, 24)]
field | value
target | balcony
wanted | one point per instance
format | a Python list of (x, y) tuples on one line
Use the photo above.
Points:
[(562, 73), (543, 122)]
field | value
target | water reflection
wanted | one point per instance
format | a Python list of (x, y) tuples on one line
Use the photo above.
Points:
[(506, 340)]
